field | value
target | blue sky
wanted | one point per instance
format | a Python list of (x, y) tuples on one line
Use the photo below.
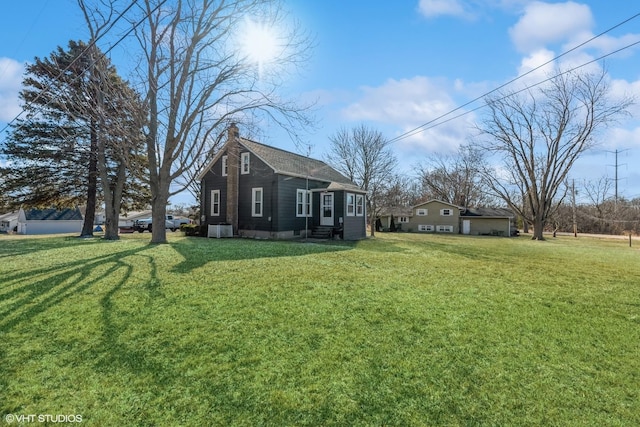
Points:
[(395, 65)]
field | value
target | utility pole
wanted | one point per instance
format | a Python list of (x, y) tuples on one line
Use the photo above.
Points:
[(616, 179)]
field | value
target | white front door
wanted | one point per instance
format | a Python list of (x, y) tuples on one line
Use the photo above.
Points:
[(326, 209), (466, 226)]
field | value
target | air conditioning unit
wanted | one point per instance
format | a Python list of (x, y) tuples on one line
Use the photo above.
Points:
[(220, 230)]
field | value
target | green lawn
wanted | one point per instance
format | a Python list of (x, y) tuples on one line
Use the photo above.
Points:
[(399, 330)]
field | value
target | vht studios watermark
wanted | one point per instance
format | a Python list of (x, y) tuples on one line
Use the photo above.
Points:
[(43, 418)]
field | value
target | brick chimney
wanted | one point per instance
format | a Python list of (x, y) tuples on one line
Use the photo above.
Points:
[(233, 176)]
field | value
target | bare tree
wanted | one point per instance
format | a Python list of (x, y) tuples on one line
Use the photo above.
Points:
[(598, 194), (456, 178), (540, 134), (197, 80), (401, 192), (364, 156)]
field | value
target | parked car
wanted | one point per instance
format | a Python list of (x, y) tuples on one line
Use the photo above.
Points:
[(171, 223)]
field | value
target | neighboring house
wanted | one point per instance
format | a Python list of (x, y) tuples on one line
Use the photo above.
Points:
[(49, 221), (400, 217), (266, 192), (8, 222), (126, 219), (436, 216), (488, 221)]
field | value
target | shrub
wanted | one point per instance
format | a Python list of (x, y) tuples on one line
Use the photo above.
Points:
[(190, 229)]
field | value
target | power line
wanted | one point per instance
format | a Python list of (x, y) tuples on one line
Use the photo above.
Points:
[(19, 45), (71, 64), (431, 124), (423, 127)]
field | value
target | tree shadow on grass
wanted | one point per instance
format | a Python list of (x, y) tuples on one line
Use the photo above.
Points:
[(36, 290), (49, 289), (21, 245), (198, 251)]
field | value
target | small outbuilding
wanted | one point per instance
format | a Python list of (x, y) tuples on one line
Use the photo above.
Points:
[(49, 221)]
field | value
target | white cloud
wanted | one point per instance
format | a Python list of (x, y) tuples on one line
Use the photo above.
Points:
[(418, 98), (433, 8), (534, 60), (10, 83), (408, 103), (546, 23), (621, 139)]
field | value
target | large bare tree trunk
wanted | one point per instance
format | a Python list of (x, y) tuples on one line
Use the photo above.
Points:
[(92, 186), (158, 214), (538, 229)]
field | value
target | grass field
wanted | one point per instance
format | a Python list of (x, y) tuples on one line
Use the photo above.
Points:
[(399, 330)]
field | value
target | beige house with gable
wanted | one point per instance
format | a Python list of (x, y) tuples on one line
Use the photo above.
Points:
[(434, 216)]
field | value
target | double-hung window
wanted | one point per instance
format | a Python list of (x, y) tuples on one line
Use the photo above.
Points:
[(421, 212), (256, 201), (303, 203), (351, 204), (244, 163), (446, 212), (225, 169), (215, 202), (359, 205)]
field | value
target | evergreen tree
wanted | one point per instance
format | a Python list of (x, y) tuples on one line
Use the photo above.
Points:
[(53, 150)]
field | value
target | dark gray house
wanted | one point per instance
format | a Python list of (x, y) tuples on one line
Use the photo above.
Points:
[(266, 192)]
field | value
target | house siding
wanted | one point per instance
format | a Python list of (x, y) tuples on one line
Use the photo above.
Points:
[(434, 218), (279, 189), (354, 226), (214, 180), (279, 200), (489, 226), (260, 176)]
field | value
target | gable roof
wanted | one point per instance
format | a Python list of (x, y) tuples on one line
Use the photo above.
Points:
[(9, 216), (284, 162), (488, 212), (436, 201), (287, 163), (53, 214)]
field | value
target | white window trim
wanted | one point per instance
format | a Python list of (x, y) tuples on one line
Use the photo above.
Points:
[(254, 200), (359, 204), (443, 212), (403, 219), (425, 227), (351, 205), (214, 211), (422, 212), (245, 159), (445, 229), (306, 203), (224, 165)]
